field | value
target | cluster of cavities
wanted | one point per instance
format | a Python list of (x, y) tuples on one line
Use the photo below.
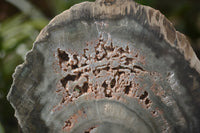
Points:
[(103, 69)]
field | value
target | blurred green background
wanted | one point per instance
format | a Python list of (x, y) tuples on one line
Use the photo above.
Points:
[(22, 20)]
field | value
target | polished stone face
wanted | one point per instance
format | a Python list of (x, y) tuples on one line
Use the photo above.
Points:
[(108, 66)]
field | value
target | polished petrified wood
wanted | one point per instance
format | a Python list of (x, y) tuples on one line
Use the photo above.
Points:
[(110, 66)]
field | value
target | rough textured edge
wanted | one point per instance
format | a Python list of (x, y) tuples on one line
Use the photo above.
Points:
[(20, 71), (179, 42), (154, 19)]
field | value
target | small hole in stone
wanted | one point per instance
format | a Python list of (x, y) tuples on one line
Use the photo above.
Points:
[(62, 55), (112, 83), (128, 61), (66, 79), (127, 89), (88, 131), (74, 66), (68, 123), (82, 65), (108, 95), (119, 73), (143, 96), (121, 50), (63, 100), (147, 101), (79, 74), (77, 89), (109, 48), (107, 68), (105, 90), (154, 112), (138, 67), (75, 57), (104, 85), (97, 71), (116, 55), (85, 87)]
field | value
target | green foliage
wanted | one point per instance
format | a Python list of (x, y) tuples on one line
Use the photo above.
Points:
[(16, 37), (70, 3), (146, 2), (62, 5), (1, 129)]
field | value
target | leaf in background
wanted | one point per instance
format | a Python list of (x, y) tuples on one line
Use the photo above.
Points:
[(1, 129), (146, 2), (70, 3), (61, 5), (38, 23), (11, 22), (22, 30), (27, 8), (10, 62)]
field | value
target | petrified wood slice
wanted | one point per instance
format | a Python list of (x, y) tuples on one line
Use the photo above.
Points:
[(108, 66)]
